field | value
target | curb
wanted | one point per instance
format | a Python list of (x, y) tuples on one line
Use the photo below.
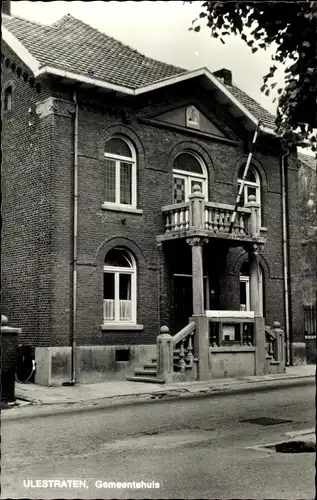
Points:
[(115, 402)]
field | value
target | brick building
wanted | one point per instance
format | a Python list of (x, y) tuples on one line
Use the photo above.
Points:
[(105, 154)]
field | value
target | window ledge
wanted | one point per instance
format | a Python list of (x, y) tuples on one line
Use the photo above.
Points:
[(120, 208), (121, 326)]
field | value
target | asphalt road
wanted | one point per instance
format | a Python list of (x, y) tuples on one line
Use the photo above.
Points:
[(197, 448)]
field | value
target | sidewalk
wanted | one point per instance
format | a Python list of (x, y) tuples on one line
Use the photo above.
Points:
[(125, 392)]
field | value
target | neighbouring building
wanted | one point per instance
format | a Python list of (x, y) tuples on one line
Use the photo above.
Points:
[(308, 195), (119, 180)]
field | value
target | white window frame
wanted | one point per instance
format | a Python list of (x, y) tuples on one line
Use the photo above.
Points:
[(126, 159), (117, 271), (189, 177), (256, 185), (246, 279)]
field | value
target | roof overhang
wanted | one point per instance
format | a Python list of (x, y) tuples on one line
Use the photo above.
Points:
[(206, 78)]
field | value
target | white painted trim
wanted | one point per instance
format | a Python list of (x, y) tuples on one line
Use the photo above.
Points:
[(121, 208), (230, 314), (84, 79), (121, 326), (20, 50)]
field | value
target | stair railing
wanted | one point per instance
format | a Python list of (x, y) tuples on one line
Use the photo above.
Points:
[(275, 342), (175, 354), (183, 347)]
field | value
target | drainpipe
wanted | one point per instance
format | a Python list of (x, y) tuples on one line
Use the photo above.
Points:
[(285, 258), (75, 239)]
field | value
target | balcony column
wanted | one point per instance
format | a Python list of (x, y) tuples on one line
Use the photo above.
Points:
[(197, 273), (259, 325), (254, 280), (196, 208)]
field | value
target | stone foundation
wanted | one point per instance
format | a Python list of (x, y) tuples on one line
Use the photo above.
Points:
[(298, 353), (93, 363)]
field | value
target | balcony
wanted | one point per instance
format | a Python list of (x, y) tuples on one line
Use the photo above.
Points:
[(198, 217)]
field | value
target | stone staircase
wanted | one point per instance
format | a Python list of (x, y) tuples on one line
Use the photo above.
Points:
[(149, 371)]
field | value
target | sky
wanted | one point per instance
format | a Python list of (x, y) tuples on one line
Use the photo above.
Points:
[(161, 30)]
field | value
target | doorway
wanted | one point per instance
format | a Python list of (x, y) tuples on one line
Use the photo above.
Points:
[(183, 299)]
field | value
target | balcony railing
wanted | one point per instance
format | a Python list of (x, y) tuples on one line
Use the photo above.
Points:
[(216, 218), (212, 218)]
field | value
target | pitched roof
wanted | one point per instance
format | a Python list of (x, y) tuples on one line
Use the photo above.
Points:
[(71, 45), (308, 160)]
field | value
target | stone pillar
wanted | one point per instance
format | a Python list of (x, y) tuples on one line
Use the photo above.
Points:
[(279, 344), (164, 346), (254, 221), (201, 347), (197, 274), (254, 280), (196, 208), (259, 342)]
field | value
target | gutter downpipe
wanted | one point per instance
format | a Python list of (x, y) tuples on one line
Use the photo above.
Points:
[(75, 242), (285, 258)]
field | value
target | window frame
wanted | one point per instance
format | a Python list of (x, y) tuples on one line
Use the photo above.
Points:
[(249, 184), (191, 176), (243, 278), (117, 271), (118, 159), (7, 98)]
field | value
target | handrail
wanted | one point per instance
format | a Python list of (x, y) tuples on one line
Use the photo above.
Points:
[(167, 208), (225, 206), (187, 330), (270, 332)]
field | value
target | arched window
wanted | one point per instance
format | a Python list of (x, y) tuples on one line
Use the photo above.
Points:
[(188, 170), (252, 185), (119, 290), (120, 172), (244, 280)]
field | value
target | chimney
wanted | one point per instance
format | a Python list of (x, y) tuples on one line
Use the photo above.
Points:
[(6, 8), (224, 75)]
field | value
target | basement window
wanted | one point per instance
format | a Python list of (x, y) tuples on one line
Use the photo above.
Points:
[(7, 99), (122, 355)]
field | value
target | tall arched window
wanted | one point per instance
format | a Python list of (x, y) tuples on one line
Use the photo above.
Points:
[(252, 185), (120, 172), (119, 291), (244, 280), (188, 170)]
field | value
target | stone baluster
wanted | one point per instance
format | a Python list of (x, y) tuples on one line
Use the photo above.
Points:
[(186, 219), (182, 362), (181, 219), (167, 222), (190, 355), (241, 224), (226, 221), (221, 220), (271, 351), (206, 218)]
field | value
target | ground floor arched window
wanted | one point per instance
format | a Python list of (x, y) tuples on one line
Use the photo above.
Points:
[(119, 290)]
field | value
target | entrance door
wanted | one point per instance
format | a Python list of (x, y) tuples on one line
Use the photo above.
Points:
[(183, 301)]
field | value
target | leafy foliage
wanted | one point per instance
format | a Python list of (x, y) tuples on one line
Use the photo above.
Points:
[(291, 27)]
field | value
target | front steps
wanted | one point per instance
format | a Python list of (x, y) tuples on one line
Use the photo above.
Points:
[(148, 374), (149, 371)]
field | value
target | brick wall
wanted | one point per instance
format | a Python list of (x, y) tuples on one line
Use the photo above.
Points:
[(27, 148)]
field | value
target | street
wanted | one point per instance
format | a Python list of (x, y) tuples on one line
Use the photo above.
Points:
[(197, 448)]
